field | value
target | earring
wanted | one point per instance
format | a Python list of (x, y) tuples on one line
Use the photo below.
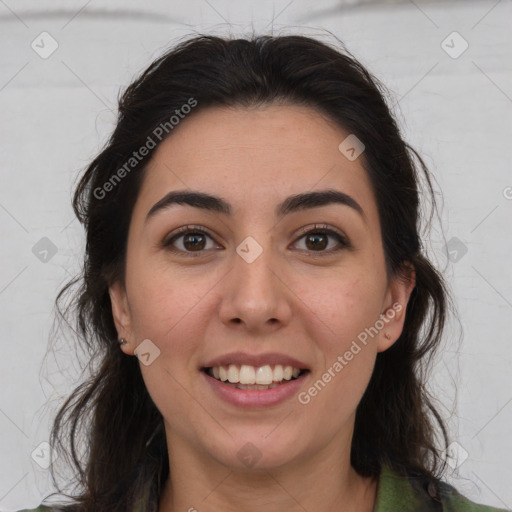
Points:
[(387, 335), (122, 341)]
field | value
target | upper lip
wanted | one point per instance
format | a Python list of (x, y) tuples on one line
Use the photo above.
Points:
[(256, 360)]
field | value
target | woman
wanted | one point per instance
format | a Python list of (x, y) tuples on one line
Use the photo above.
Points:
[(255, 290)]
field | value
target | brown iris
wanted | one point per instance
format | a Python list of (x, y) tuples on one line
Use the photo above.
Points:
[(190, 241), (317, 242)]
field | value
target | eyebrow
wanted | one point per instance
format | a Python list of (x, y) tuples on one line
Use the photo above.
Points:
[(291, 204)]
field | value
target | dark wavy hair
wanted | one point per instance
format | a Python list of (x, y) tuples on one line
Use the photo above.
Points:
[(123, 431)]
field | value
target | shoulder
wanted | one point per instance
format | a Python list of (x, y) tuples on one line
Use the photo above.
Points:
[(38, 509), (398, 493), (453, 501)]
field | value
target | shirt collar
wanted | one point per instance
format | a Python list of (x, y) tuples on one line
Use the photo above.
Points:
[(396, 492)]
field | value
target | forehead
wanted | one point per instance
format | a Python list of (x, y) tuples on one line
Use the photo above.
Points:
[(255, 156)]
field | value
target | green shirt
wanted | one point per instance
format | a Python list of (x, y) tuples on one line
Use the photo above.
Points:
[(396, 493)]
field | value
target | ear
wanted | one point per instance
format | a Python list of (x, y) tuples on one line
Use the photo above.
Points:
[(395, 303), (122, 316)]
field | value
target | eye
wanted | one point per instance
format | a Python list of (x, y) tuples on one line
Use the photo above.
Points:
[(192, 239), (317, 239), (188, 240)]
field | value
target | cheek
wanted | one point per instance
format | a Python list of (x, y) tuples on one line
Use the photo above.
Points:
[(343, 308), (338, 321), (167, 306), (171, 312)]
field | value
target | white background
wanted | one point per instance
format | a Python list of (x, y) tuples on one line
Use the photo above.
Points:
[(55, 116)]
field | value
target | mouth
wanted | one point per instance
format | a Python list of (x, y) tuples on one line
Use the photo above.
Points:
[(257, 378)]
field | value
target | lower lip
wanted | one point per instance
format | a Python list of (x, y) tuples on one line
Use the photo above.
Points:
[(250, 398)]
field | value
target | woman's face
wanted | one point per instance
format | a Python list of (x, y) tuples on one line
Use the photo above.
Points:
[(255, 290)]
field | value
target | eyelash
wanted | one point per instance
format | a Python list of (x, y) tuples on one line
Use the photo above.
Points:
[(316, 229)]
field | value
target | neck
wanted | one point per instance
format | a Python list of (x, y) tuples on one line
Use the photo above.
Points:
[(324, 483)]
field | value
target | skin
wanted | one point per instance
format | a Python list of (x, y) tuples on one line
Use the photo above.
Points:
[(294, 299)]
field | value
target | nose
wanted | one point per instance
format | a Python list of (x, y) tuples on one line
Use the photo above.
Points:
[(255, 296)]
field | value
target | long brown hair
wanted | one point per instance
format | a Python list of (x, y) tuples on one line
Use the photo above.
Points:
[(112, 412)]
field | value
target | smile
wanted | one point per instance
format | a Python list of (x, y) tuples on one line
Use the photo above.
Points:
[(254, 378)]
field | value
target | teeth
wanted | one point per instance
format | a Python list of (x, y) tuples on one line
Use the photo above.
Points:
[(250, 377), (278, 373), (233, 374), (264, 375)]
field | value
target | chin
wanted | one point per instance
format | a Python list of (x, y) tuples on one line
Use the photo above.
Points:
[(259, 452)]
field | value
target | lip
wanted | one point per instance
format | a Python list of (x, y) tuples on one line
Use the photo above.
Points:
[(257, 398), (256, 360)]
